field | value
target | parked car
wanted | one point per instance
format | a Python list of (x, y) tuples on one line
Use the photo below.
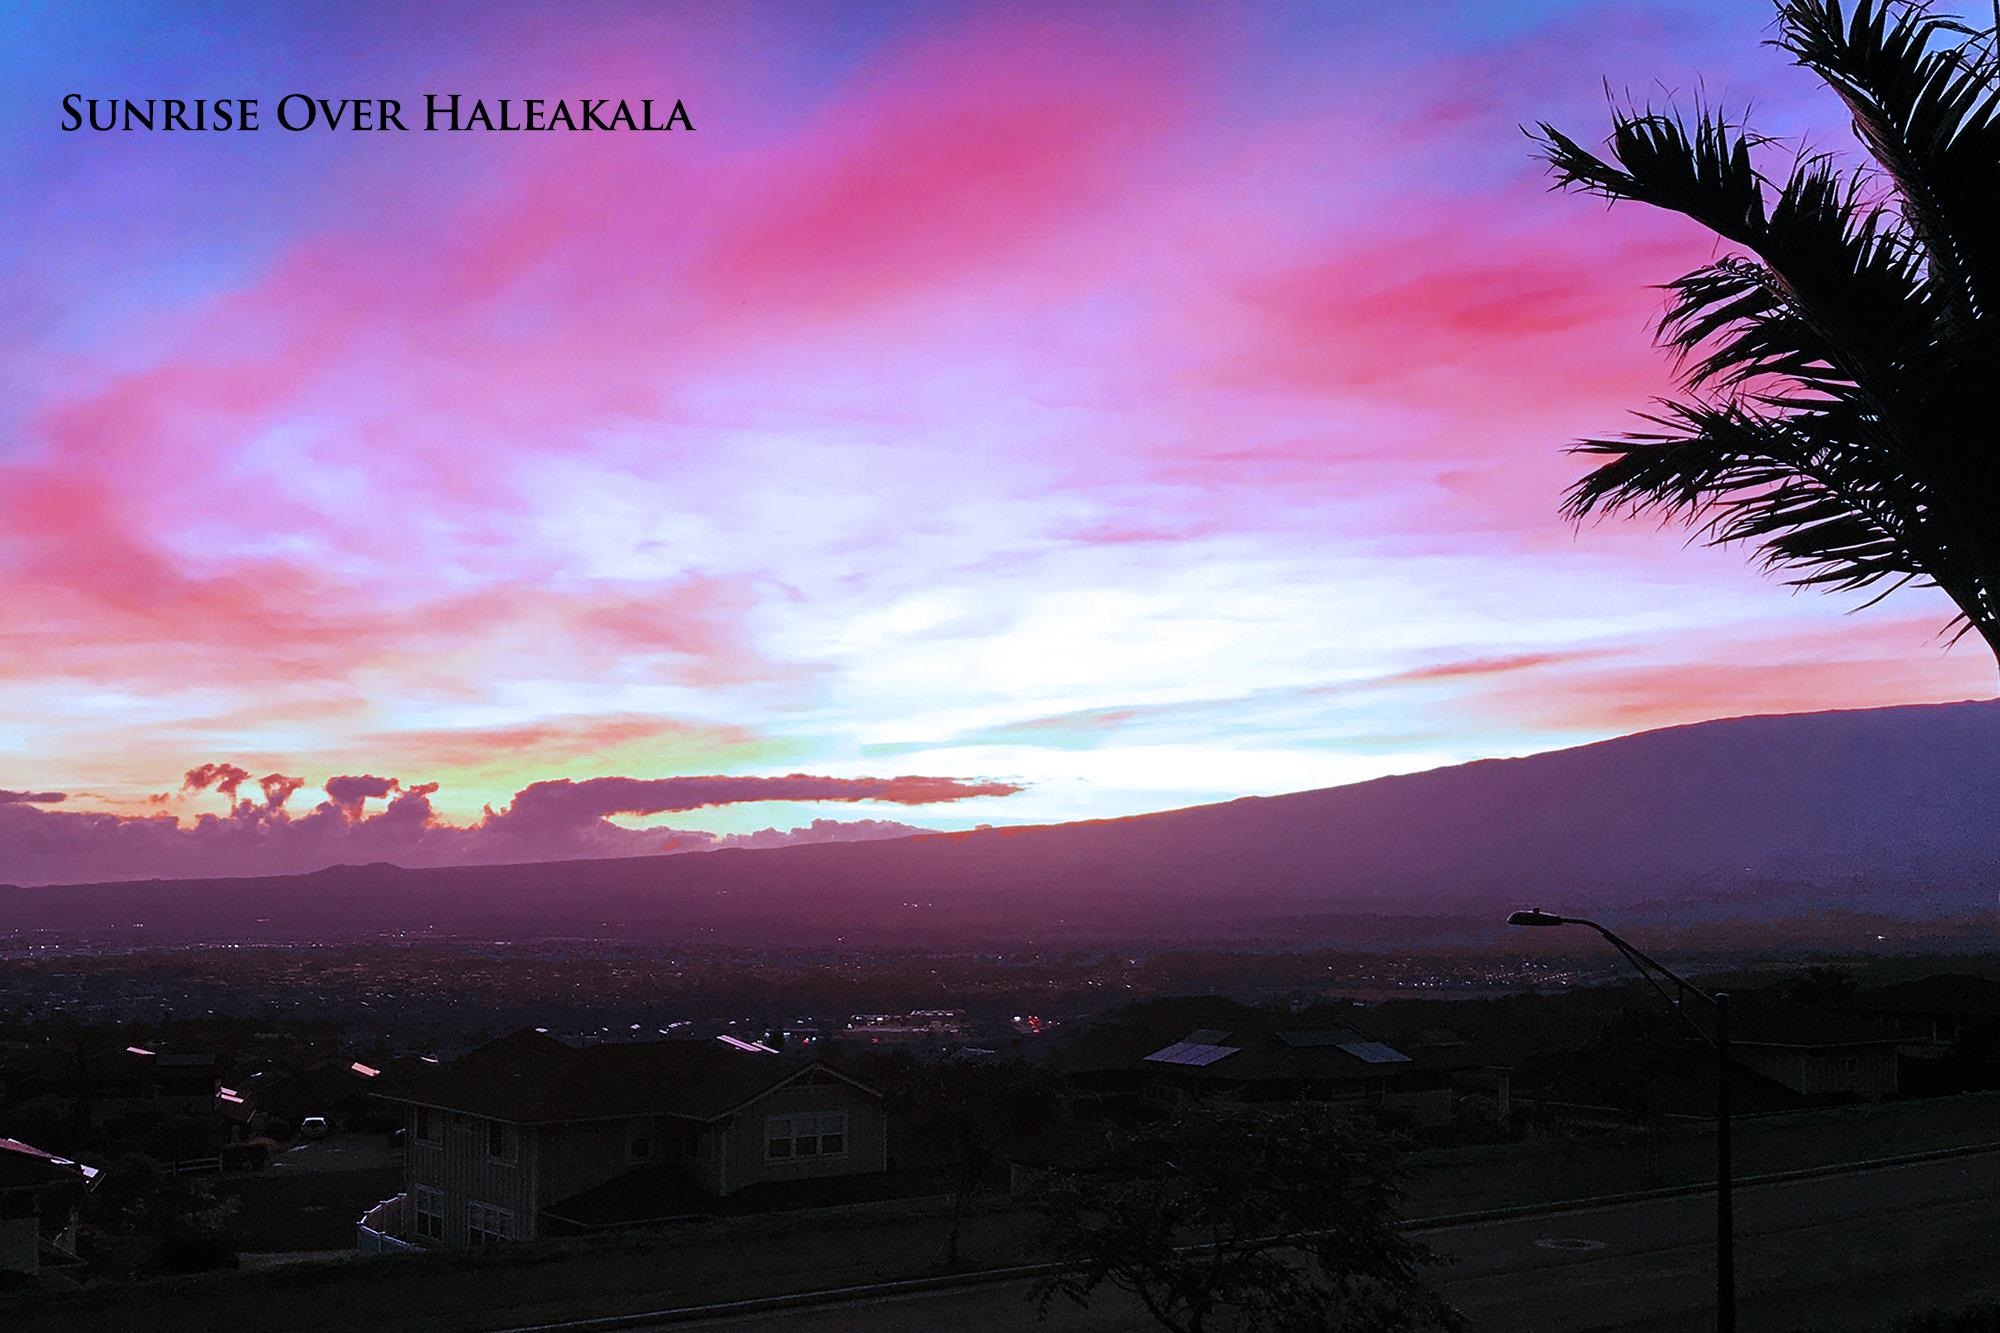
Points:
[(313, 1127)]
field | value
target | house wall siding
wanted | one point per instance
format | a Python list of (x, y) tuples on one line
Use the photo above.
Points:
[(1815, 1072), (554, 1161), (20, 1244), (581, 1154), (457, 1165), (736, 1158)]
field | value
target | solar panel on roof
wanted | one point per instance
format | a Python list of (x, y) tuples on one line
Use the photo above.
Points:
[(1374, 1052), (1195, 1053)]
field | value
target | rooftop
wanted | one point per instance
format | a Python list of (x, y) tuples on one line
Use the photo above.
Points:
[(1957, 994), (1757, 1019), (23, 1166), (533, 1078), (1223, 1040)]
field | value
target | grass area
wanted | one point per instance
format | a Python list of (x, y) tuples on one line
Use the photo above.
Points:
[(312, 1210), (740, 1257), (1682, 1152), (1843, 1277), (726, 1259)]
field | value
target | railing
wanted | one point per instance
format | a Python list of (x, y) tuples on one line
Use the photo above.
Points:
[(381, 1228)]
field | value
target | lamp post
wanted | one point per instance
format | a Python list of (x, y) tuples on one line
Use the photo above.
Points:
[(1725, 1222)]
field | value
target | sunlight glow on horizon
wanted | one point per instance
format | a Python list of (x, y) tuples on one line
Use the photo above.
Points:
[(1143, 406)]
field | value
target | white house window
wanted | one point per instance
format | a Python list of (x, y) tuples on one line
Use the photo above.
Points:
[(427, 1125), (487, 1225), (428, 1205), (790, 1136), (500, 1141)]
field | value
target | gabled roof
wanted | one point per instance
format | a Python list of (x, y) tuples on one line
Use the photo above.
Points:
[(532, 1078), (1228, 1042), (23, 1166), (1757, 1019), (129, 1064), (1957, 994)]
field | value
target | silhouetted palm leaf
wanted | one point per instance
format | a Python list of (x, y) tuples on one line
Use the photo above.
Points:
[(1838, 372)]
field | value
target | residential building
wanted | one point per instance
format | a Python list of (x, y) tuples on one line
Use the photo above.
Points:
[(119, 1090), (38, 1196), (1812, 1052), (530, 1135), (1937, 1017), (1169, 1050)]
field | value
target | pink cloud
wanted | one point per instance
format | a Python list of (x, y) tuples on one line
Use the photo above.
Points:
[(347, 793), (493, 430), (225, 778), (545, 821), (1854, 665), (564, 802)]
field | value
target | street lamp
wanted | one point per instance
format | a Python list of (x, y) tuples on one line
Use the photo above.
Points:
[(1725, 1226)]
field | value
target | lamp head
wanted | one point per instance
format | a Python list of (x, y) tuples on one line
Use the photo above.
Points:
[(1535, 916)]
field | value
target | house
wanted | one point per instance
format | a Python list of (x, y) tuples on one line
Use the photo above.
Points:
[(1937, 1017), (1948, 1028), (529, 1135), (38, 1196), (1168, 1050), (1813, 1052), (338, 1090), (119, 1090)]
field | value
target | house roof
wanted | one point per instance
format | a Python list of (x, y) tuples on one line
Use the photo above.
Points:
[(533, 1078), (112, 1066), (314, 1088), (644, 1194), (1957, 994), (1757, 1019), (1223, 1041), (25, 1167)]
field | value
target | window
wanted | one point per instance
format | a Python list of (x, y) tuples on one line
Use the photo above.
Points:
[(639, 1142), (427, 1126), (500, 1141), (428, 1205), (487, 1225), (1852, 1064), (789, 1136)]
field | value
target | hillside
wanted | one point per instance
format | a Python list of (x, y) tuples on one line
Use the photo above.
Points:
[(1891, 813)]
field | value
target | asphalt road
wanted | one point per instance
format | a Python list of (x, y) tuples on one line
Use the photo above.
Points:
[(1626, 1266)]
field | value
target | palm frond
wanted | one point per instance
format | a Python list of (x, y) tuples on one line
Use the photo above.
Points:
[(1836, 415), (1928, 109)]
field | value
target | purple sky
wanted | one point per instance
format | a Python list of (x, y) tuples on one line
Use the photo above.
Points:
[(989, 414)]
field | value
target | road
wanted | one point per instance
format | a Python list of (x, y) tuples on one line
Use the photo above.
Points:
[(1863, 1245)]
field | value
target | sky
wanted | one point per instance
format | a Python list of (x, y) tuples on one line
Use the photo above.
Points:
[(987, 414)]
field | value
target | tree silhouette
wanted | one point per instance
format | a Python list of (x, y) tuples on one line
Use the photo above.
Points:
[(1837, 367), (1276, 1218), (967, 1115)]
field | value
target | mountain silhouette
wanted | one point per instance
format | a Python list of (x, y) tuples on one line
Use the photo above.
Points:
[(1890, 813)]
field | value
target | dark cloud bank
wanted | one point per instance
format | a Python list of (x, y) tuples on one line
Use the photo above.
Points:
[(366, 817)]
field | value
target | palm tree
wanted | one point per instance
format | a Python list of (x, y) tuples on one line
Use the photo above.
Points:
[(1840, 366)]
